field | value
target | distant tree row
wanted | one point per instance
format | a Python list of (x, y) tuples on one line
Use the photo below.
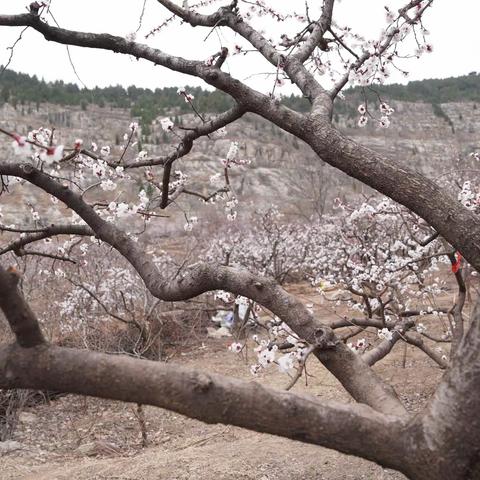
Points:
[(19, 88), (435, 91)]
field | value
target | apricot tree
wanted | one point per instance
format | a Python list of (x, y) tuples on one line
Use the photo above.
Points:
[(320, 59)]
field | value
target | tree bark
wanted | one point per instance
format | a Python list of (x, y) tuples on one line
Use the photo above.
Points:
[(206, 397)]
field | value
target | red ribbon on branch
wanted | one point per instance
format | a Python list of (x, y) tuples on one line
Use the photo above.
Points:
[(457, 263)]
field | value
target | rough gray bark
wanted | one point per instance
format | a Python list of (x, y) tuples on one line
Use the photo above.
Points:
[(207, 397), (450, 427), (20, 317)]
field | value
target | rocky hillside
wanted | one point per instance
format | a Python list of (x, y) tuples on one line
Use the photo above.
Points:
[(433, 138), (430, 137)]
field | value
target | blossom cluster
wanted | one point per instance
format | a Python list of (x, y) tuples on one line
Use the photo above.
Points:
[(384, 120), (281, 347), (38, 145)]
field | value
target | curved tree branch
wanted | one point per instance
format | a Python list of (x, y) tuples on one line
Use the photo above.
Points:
[(319, 30), (189, 137), (47, 232), (360, 381), (417, 340), (249, 98), (211, 398), (227, 16), (22, 320), (207, 397)]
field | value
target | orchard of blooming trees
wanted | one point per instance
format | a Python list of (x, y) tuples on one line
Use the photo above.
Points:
[(390, 258)]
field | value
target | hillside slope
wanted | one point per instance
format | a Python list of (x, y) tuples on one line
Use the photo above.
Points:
[(435, 138)]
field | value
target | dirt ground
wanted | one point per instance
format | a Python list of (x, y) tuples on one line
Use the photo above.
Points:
[(86, 439)]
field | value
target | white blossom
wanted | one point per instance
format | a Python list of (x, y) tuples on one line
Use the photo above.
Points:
[(285, 363), (362, 121), (51, 154), (385, 333), (266, 357), (21, 147), (166, 124), (108, 185), (232, 152), (421, 328), (105, 151), (235, 347), (384, 122)]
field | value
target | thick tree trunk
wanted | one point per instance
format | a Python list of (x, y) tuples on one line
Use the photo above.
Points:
[(445, 442), (207, 397)]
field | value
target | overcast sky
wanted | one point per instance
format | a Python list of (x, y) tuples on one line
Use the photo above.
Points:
[(453, 30)]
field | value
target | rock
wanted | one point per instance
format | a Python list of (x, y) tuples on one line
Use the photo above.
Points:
[(218, 333), (9, 446), (27, 417), (98, 447)]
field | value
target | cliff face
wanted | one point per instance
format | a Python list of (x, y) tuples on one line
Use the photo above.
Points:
[(430, 138)]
